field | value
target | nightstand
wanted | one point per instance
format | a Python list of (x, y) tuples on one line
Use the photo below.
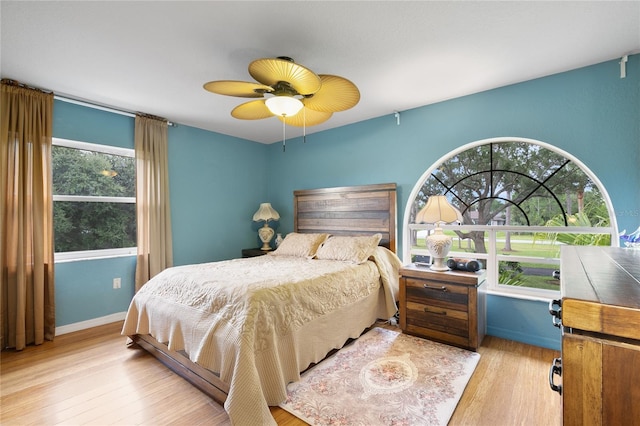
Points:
[(448, 307), (253, 252)]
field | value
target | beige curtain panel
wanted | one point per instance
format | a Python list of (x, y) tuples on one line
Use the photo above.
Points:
[(26, 216), (155, 252)]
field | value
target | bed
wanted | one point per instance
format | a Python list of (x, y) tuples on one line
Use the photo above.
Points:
[(241, 330)]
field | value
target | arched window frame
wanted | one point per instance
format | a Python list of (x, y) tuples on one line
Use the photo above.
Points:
[(491, 256)]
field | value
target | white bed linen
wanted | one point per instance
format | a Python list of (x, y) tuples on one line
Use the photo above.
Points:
[(242, 318)]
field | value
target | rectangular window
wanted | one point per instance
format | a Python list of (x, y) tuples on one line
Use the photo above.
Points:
[(94, 211), (518, 260)]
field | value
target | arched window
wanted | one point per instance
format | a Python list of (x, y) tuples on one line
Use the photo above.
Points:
[(521, 200)]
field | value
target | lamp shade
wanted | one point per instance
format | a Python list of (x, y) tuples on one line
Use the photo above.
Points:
[(266, 213), (284, 106), (438, 210)]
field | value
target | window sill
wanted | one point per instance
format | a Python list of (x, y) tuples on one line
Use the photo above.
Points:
[(76, 256), (524, 295)]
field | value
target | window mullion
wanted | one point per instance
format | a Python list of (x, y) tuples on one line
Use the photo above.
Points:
[(492, 272), (94, 199)]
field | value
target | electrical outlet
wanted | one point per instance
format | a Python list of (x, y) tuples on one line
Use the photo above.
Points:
[(117, 283)]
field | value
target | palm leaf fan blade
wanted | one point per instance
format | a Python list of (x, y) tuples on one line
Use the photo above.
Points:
[(242, 89), (336, 94), (252, 110)]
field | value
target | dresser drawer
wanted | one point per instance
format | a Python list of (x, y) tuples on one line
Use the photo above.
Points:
[(451, 321), (437, 294), (440, 336)]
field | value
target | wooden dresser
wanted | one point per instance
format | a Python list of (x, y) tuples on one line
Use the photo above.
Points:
[(599, 315), (449, 307)]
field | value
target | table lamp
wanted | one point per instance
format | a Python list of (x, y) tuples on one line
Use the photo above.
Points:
[(438, 210), (266, 213)]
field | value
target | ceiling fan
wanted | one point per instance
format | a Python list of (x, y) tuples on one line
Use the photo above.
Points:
[(289, 91)]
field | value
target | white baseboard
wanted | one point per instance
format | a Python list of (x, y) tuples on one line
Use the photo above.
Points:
[(83, 325)]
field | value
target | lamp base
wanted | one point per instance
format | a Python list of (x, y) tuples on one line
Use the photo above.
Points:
[(439, 265), (266, 234), (439, 245)]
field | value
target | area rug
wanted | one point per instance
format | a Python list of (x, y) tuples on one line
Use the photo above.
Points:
[(383, 378)]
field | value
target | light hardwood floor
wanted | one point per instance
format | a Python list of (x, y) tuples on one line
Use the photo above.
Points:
[(91, 378)]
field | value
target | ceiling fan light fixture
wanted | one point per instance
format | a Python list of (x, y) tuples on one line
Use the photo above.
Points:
[(284, 106)]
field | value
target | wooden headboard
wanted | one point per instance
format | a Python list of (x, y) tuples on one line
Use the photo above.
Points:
[(348, 210)]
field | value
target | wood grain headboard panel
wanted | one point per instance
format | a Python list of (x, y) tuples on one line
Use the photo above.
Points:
[(348, 210)]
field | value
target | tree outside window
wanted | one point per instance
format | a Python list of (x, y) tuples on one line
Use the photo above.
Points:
[(94, 197)]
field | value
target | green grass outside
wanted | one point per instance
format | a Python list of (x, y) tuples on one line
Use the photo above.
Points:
[(548, 283)]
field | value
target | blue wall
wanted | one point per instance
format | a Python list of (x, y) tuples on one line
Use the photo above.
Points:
[(84, 289), (521, 320), (215, 189), (590, 113)]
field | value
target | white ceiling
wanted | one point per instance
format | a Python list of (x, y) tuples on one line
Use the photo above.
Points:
[(154, 56)]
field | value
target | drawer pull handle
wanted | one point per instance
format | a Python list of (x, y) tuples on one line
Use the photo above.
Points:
[(556, 368), (443, 288), (435, 312)]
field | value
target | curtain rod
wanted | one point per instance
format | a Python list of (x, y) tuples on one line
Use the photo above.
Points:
[(16, 83), (101, 107)]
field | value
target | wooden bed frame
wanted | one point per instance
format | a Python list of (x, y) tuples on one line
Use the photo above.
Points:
[(351, 210)]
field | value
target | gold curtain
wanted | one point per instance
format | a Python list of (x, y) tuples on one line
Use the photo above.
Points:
[(155, 251), (26, 216)]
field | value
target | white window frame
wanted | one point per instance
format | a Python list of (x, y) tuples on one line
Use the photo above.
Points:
[(104, 253), (492, 257)]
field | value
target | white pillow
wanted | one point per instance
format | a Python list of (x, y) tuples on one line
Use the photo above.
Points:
[(349, 249), (300, 245)]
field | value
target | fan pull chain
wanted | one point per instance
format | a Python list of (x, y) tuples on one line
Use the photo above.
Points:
[(304, 125), (284, 133)]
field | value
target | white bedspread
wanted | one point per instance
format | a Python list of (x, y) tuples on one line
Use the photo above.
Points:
[(240, 318)]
